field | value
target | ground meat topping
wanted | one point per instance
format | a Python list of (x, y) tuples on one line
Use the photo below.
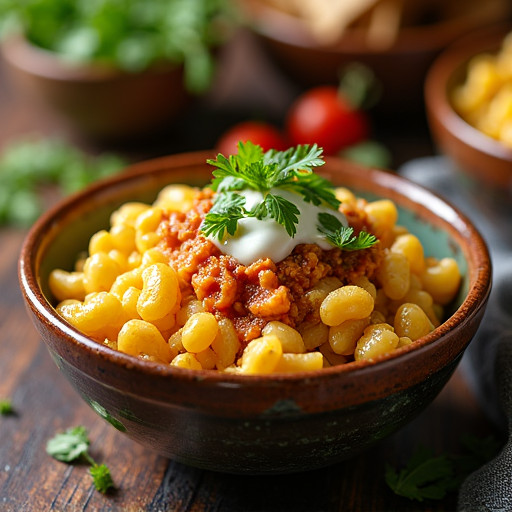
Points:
[(253, 295)]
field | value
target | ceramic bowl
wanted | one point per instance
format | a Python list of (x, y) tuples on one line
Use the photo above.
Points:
[(254, 424), (400, 67), (98, 101), (485, 163)]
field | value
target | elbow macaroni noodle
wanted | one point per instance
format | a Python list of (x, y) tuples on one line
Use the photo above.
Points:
[(127, 296), (484, 100)]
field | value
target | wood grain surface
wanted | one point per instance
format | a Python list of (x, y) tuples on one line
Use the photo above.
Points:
[(31, 481)]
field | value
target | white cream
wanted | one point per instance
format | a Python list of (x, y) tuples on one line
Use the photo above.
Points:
[(266, 238)]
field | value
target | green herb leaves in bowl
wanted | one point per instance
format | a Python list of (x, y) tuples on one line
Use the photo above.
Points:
[(131, 35)]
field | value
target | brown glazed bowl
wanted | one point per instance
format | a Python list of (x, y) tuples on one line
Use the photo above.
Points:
[(254, 424), (97, 100), (485, 162), (400, 67)]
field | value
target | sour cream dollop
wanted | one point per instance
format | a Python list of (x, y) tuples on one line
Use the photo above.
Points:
[(255, 239)]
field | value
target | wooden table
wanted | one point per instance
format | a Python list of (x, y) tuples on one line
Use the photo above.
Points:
[(45, 404)]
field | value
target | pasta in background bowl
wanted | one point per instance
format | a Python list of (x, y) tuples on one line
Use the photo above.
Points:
[(240, 423), (469, 70)]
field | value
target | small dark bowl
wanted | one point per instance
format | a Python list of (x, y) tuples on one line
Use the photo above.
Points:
[(99, 101), (255, 424), (485, 163), (401, 67)]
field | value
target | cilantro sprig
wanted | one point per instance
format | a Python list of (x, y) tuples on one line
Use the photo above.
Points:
[(343, 236), (252, 169), (292, 169), (431, 477), (267, 173), (6, 407), (72, 445)]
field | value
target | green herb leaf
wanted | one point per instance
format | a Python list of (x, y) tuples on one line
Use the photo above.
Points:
[(266, 173), (424, 477), (431, 477), (252, 169), (216, 224), (302, 158), (329, 223), (6, 407), (101, 477), (224, 215), (69, 445), (284, 212), (314, 189), (129, 35), (72, 445), (343, 237)]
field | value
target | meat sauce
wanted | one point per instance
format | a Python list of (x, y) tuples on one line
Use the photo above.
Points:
[(252, 295)]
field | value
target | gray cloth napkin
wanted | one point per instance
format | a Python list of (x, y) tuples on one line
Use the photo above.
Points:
[(487, 363)]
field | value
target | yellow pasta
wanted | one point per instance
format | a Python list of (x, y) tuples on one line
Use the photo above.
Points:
[(394, 275), (377, 340), (100, 272), (199, 332), (160, 292), (343, 338), (261, 355), (128, 293), (441, 279), (67, 285), (346, 303), (412, 322), (291, 340), (138, 337), (289, 363), (484, 99)]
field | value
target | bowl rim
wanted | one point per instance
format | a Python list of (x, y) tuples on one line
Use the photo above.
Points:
[(411, 193), (450, 64)]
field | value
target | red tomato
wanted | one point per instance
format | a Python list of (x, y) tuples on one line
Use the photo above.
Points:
[(322, 116), (263, 134)]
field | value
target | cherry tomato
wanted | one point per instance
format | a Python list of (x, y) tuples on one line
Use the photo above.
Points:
[(323, 116), (262, 134)]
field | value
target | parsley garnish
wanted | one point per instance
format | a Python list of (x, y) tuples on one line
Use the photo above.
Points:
[(101, 477), (431, 477), (343, 237), (253, 169), (6, 407), (425, 476), (267, 173), (73, 444)]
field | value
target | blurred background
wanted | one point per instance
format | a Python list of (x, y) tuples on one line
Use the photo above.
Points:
[(138, 79)]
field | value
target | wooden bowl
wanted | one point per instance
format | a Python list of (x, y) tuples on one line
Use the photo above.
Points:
[(254, 424), (400, 67), (484, 161), (99, 101)]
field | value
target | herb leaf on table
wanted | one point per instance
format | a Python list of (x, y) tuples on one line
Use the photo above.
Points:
[(427, 476), (6, 407), (72, 445)]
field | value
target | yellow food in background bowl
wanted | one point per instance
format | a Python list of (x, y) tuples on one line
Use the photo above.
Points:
[(484, 100)]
